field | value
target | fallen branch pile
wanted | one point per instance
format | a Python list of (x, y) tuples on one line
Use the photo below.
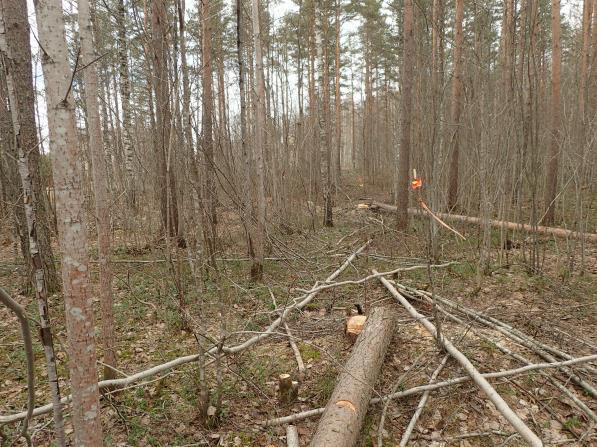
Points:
[(479, 380), (557, 359), (552, 231)]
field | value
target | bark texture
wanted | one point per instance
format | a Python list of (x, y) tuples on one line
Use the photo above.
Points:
[(556, 124), (456, 106), (72, 234), (259, 148), (101, 191), (345, 412), (13, 18), (406, 111), (18, 61)]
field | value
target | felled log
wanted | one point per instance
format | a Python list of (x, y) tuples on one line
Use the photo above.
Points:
[(345, 412), (500, 404), (552, 231)]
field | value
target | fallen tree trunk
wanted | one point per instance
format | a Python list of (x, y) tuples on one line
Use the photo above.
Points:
[(481, 382), (345, 412), (552, 231)]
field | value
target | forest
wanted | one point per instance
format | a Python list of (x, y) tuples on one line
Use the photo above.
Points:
[(325, 223)]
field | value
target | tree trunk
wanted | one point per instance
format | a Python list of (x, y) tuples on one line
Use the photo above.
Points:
[(209, 193), (456, 107), (556, 125), (324, 120), (259, 148), (100, 183), (341, 423), (402, 190), (338, 98), (13, 20), (12, 187), (71, 225), (247, 210), (125, 98), (19, 50), (165, 179), (584, 61)]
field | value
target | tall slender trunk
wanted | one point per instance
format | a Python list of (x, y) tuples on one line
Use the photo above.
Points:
[(324, 121), (456, 107), (592, 105), (207, 122), (14, 40), (247, 210), (584, 61), (125, 98), (18, 46), (556, 124), (259, 147), (8, 161), (100, 183), (166, 181), (72, 233), (402, 190), (338, 154)]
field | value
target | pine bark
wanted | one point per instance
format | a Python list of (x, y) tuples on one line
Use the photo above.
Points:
[(402, 190), (72, 234)]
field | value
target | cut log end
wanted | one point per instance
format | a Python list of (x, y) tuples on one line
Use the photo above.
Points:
[(354, 326)]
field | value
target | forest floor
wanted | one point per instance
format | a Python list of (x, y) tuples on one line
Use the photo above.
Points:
[(556, 306)]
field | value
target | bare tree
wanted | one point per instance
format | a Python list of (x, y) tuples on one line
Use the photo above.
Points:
[(209, 192), (259, 148), (456, 107), (556, 125), (72, 233), (406, 117), (163, 113), (100, 183)]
